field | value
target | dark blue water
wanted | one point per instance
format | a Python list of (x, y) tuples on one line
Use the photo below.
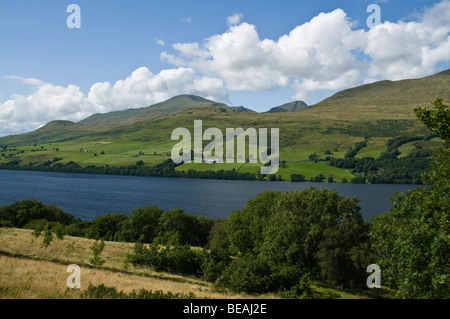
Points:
[(86, 196)]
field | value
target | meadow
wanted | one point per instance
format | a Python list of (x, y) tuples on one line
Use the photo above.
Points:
[(30, 271)]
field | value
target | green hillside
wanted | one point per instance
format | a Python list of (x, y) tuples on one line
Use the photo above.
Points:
[(374, 120), (289, 107), (385, 99), (173, 105)]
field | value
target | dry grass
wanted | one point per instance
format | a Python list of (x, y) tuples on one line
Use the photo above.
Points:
[(29, 271)]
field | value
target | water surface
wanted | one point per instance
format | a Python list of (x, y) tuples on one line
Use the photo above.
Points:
[(89, 195)]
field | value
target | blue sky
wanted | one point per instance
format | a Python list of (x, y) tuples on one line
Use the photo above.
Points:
[(256, 53)]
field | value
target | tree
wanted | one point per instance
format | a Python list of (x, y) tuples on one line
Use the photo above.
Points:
[(97, 249), (292, 233), (25, 211), (412, 240), (297, 178), (344, 253), (180, 228), (107, 226), (48, 236), (314, 157), (244, 227), (59, 231), (142, 223), (218, 236), (286, 227), (140, 163), (436, 119)]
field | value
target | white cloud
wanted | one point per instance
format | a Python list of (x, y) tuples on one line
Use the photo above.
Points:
[(49, 102), (160, 42), (143, 88), (319, 50), (28, 81), (234, 19), (326, 53), (410, 49)]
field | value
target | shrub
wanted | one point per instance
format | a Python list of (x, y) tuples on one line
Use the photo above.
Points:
[(48, 236), (97, 249), (247, 274), (214, 263), (297, 178), (25, 211), (177, 259)]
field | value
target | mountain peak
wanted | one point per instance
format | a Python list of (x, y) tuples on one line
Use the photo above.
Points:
[(172, 105), (289, 107), (189, 97)]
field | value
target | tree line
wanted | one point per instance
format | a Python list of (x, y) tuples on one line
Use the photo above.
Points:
[(386, 169)]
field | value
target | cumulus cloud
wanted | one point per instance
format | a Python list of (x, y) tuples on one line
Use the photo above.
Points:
[(47, 102), (143, 88), (50, 102), (328, 52), (409, 49), (325, 53)]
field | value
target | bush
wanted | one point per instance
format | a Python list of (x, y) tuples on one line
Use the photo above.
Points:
[(300, 290), (318, 178), (178, 259), (97, 249), (25, 211), (246, 274), (214, 263), (107, 226), (297, 178)]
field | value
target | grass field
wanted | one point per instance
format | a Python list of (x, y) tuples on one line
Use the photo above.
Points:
[(29, 271)]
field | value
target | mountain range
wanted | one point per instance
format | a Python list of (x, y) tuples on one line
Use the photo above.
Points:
[(373, 113)]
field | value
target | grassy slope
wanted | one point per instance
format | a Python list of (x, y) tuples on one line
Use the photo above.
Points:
[(289, 107), (376, 111), (22, 258), (130, 116), (28, 271)]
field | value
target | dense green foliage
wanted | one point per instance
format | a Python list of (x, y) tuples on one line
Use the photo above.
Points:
[(174, 259), (97, 249), (412, 240), (22, 213), (279, 242), (164, 169), (277, 238), (344, 253), (436, 119), (147, 224), (388, 168)]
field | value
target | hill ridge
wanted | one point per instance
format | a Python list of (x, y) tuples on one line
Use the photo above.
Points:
[(380, 100)]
